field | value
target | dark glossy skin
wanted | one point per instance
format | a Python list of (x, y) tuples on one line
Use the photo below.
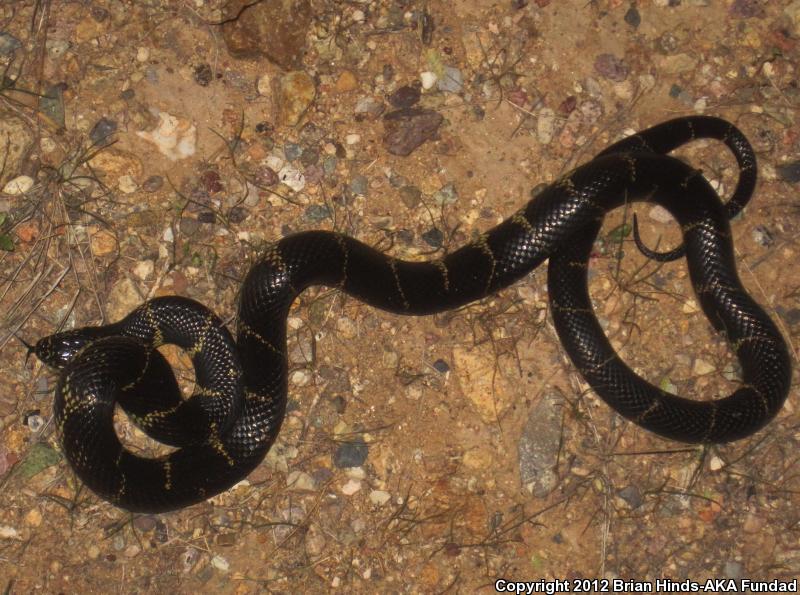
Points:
[(228, 427)]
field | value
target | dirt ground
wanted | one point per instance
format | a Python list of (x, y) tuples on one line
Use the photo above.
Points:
[(443, 407)]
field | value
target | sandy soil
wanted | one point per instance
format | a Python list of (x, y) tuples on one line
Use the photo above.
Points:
[(442, 402)]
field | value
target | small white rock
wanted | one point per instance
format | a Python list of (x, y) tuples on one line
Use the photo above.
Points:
[(127, 184), (19, 185), (220, 563), (379, 497), (690, 307), (352, 139), (300, 378), (292, 177), (143, 269), (702, 367), (428, 79), (300, 481), (715, 464), (264, 85), (142, 54), (351, 487)]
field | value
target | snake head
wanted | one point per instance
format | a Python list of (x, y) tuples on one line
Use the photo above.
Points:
[(59, 349)]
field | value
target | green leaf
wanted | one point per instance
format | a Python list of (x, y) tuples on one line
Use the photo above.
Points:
[(3, 217), (619, 232), (40, 457), (6, 243)]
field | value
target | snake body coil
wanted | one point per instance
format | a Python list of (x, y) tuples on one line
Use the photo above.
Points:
[(228, 426)]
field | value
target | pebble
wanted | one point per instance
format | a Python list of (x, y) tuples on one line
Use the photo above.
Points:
[(433, 237), (632, 17), (145, 522), (264, 85), (296, 94), (132, 551), (292, 177), (275, 30), (441, 366), (329, 165), (631, 495), (405, 96), (7, 532), (346, 82), (379, 497), (102, 131), (292, 151), (611, 67), (264, 176), (300, 378), (309, 157), (446, 195), (317, 213), (369, 106), (359, 185), (274, 162), (220, 563), (406, 129), (762, 236), (203, 74), (314, 540), (690, 307), (352, 139), (411, 196), (701, 367), (153, 183), (103, 242), (715, 463), (93, 552), (19, 185), (428, 79), (8, 44), (789, 172), (300, 481), (34, 422), (350, 454), (538, 446), (351, 487), (175, 138), (452, 81), (144, 269), (33, 518), (545, 125)]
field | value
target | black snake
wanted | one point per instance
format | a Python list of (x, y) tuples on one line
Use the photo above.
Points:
[(228, 426)]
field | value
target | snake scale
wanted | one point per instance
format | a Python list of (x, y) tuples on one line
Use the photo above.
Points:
[(226, 428)]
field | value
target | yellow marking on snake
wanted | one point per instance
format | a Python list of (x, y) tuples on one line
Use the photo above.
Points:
[(167, 475), (247, 330), (482, 244), (340, 239), (393, 267), (653, 406), (522, 221), (713, 421), (439, 264), (199, 344), (215, 443)]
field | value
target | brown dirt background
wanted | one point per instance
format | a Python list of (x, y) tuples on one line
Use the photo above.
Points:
[(458, 517)]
